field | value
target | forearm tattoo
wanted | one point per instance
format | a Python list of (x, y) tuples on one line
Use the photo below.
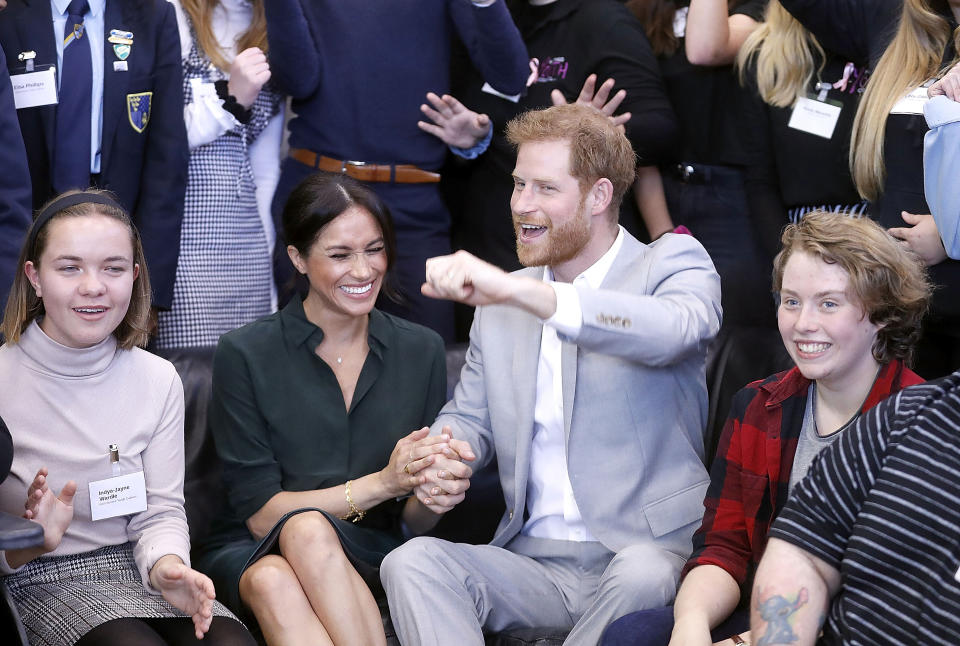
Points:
[(777, 611)]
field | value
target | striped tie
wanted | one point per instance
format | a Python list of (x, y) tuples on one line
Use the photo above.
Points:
[(71, 152)]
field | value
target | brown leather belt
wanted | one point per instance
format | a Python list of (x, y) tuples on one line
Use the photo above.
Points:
[(397, 173)]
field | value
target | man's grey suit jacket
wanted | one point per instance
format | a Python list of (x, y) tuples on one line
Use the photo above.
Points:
[(634, 391)]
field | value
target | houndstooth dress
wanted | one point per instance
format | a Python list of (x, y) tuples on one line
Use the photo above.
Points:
[(225, 272), (61, 598)]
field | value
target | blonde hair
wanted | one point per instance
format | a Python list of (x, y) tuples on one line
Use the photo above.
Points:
[(785, 55), (201, 15), (911, 58), (598, 149), (23, 304), (889, 281)]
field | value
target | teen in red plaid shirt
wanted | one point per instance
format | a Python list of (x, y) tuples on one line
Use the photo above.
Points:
[(851, 301)]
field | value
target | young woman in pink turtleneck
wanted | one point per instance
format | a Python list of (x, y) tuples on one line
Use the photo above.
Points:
[(73, 384)]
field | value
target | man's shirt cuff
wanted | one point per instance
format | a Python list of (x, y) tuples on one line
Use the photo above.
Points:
[(477, 150), (568, 319)]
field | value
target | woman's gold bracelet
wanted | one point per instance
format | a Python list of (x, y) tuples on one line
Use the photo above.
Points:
[(355, 514)]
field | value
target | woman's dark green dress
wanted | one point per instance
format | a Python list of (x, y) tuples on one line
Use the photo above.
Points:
[(280, 424)]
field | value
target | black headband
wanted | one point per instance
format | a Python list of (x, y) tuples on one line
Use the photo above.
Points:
[(65, 202)]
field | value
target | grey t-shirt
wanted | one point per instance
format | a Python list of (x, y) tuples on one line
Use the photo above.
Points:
[(810, 443)]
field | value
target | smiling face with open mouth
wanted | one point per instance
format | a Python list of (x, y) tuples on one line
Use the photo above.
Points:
[(345, 265), (550, 218), (823, 325), (85, 278)]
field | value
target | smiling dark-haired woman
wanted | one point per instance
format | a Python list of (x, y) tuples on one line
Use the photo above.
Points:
[(312, 414)]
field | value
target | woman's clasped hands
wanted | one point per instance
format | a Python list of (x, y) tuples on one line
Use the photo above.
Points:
[(430, 466)]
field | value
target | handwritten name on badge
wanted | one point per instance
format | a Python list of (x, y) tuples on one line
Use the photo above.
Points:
[(34, 88), (118, 496)]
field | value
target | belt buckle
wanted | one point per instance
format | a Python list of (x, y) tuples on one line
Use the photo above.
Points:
[(347, 162)]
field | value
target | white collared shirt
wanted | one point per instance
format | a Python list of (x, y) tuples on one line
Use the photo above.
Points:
[(553, 510), (93, 29)]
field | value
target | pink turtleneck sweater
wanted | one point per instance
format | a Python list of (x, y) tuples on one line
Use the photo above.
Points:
[(65, 406)]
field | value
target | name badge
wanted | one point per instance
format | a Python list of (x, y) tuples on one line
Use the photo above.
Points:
[(815, 117), (912, 103), (680, 22), (118, 496), (31, 89)]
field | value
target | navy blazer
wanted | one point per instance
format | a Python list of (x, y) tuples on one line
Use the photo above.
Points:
[(147, 170), (14, 186)]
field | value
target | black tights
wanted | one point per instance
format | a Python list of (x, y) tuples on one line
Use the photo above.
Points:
[(169, 631)]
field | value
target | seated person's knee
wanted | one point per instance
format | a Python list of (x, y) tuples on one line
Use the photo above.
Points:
[(310, 530), (409, 558), (645, 570), (265, 580)]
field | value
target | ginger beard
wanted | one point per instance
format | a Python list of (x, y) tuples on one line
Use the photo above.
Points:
[(557, 243)]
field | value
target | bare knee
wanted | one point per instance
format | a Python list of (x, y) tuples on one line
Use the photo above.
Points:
[(267, 582), (310, 532)]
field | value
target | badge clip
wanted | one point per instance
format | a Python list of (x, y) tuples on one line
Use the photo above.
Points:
[(27, 57), (121, 37), (114, 459), (823, 88)]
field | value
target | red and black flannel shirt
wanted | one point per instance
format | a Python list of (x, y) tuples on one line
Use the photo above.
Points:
[(750, 476)]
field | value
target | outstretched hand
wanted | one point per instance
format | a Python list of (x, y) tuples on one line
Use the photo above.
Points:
[(453, 123), (185, 588), (599, 99), (35, 492), (465, 278), (53, 512)]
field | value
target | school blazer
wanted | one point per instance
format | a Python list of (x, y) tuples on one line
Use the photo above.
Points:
[(143, 160)]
